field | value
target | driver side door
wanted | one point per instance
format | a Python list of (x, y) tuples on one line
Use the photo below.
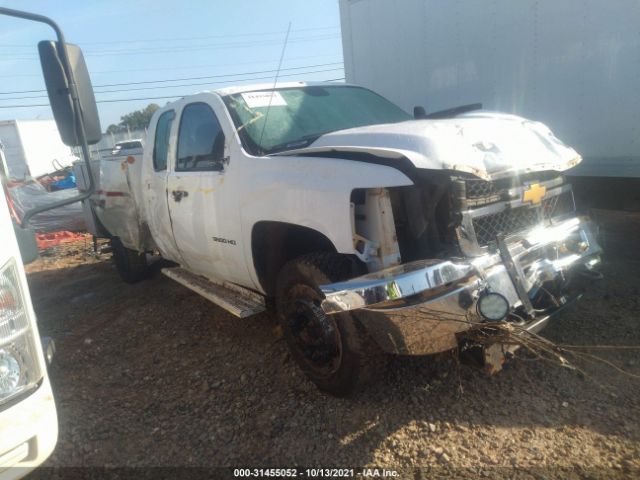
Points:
[(194, 188)]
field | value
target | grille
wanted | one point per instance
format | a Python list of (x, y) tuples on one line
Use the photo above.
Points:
[(515, 220), (481, 192), (480, 188), (559, 205)]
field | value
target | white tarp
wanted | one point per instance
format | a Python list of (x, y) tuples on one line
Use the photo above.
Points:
[(32, 194)]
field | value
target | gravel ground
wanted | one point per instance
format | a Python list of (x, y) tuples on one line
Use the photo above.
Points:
[(154, 375)]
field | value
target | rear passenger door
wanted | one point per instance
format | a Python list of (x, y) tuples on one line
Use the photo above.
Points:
[(155, 184), (195, 186)]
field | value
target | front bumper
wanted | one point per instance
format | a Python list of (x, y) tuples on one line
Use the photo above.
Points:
[(419, 308), (28, 433)]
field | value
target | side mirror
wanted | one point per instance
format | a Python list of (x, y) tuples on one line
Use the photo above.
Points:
[(58, 82), (419, 112)]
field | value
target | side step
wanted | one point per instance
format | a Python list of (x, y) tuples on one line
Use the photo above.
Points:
[(235, 299)]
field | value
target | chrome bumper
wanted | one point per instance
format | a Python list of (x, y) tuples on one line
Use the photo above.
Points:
[(419, 307)]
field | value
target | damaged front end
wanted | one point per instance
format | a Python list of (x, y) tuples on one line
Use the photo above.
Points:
[(473, 251)]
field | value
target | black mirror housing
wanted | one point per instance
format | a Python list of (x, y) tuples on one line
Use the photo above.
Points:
[(419, 112), (58, 83)]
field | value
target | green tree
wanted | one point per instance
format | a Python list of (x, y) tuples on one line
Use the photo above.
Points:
[(113, 128), (137, 120)]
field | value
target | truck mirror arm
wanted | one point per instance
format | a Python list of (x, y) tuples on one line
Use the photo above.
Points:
[(73, 92)]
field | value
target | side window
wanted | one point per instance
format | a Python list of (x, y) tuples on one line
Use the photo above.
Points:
[(161, 142), (200, 140)]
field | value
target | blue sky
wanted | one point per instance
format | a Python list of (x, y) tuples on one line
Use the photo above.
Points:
[(151, 40)]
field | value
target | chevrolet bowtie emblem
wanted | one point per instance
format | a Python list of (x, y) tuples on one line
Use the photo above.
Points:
[(534, 193)]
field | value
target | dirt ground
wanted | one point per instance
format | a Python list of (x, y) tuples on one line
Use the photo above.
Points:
[(154, 375)]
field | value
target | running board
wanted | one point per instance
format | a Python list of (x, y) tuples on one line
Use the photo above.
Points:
[(235, 299)]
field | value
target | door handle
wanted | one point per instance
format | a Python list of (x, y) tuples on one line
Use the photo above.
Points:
[(179, 194)]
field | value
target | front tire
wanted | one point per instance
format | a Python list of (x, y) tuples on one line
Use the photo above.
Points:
[(131, 265), (334, 351)]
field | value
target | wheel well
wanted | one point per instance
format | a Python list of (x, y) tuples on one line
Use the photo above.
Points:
[(275, 243)]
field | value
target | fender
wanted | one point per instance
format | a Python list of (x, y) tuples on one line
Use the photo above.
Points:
[(309, 192)]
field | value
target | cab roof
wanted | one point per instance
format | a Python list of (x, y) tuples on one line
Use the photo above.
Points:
[(223, 92), (269, 86)]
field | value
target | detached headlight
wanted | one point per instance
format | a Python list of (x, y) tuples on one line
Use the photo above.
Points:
[(19, 368), (493, 306)]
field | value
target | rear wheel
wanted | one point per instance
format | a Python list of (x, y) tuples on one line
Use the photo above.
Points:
[(334, 351), (131, 265)]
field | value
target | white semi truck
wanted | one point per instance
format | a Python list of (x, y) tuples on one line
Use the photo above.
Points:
[(28, 421), (372, 231)]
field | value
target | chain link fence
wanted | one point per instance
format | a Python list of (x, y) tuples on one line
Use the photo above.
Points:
[(106, 145)]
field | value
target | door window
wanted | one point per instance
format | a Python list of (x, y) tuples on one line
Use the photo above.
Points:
[(161, 142), (200, 140)]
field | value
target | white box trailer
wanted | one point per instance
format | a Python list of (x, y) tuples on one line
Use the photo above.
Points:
[(33, 148), (573, 65)]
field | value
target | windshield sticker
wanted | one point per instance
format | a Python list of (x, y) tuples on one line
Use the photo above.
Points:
[(262, 99)]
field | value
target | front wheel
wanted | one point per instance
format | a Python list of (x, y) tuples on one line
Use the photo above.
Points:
[(334, 351), (131, 265)]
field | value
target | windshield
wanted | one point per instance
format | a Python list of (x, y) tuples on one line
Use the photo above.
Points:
[(299, 115)]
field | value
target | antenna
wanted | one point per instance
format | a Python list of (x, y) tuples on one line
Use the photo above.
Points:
[(275, 81)]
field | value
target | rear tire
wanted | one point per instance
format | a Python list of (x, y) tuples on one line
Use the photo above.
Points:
[(131, 265), (334, 351)]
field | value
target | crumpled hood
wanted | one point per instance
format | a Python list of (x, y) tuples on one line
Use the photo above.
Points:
[(486, 144)]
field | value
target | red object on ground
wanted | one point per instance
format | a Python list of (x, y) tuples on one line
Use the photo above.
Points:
[(47, 240)]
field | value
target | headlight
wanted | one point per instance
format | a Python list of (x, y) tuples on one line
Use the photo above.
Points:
[(9, 373), (19, 368)]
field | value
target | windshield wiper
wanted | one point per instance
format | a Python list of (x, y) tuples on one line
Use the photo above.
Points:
[(293, 144)]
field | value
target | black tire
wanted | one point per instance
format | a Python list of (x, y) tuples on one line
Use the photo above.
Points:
[(131, 265), (334, 351)]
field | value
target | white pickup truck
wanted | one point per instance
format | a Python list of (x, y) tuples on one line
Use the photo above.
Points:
[(373, 231)]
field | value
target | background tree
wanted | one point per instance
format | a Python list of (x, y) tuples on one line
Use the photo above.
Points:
[(113, 128), (137, 120)]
